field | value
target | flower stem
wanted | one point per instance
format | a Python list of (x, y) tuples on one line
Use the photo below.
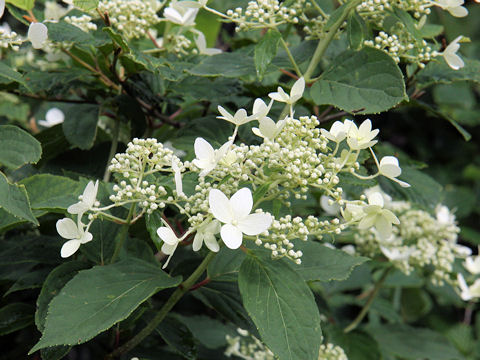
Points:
[(113, 149), (323, 43), (353, 325), (174, 298), (123, 234)]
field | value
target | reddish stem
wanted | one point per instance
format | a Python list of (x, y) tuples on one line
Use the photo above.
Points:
[(200, 284)]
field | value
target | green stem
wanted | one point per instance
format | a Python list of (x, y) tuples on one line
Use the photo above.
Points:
[(123, 234), (174, 298), (290, 56), (323, 43), (353, 325), (113, 149)]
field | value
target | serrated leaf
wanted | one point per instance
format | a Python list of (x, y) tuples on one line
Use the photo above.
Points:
[(439, 72), (265, 50), (80, 125), (17, 147), (282, 307), (86, 4), (226, 265), (63, 31), (225, 64), (365, 82), (320, 263), (8, 75), (14, 199), (22, 4), (115, 291)]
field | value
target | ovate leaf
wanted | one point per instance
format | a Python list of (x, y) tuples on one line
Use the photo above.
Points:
[(282, 307), (365, 81), (14, 199), (86, 4), (439, 72), (114, 292), (356, 30), (225, 64), (22, 4), (80, 125), (265, 50), (17, 147)]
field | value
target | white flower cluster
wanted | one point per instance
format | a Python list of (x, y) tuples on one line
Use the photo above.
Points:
[(331, 352), (131, 17), (9, 38), (83, 22), (247, 347), (421, 241), (266, 13)]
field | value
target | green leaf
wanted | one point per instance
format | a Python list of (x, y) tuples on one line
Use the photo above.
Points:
[(320, 263), (14, 199), (265, 51), (226, 265), (22, 4), (356, 30), (178, 336), (225, 64), (8, 75), (406, 19), (14, 317), (80, 125), (356, 344), (63, 31), (439, 72), (17, 147), (31, 280), (282, 307), (86, 4), (365, 82), (413, 343), (209, 332), (117, 39), (114, 292), (51, 192)]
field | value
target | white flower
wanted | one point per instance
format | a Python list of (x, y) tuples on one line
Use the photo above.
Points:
[(206, 234), (178, 178), (468, 293), (332, 209), (201, 43), (75, 233), (37, 34), (268, 129), (260, 109), (381, 219), (338, 131), (181, 15), (238, 119), (235, 214), (454, 7), (472, 264), (2, 7), (53, 117), (395, 254), (362, 137), (208, 158), (349, 249), (170, 242), (87, 200), (295, 94), (387, 199), (450, 55), (444, 216), (353, 212), (390, 168), (462, 251)]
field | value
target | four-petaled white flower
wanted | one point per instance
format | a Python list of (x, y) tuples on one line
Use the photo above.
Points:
[(181, 15), (238, 119), (170, 242), (87, 200), (178, 177), (472, 264), (375, 215), (201, 43), (338, 132), (296, 93), (454, 7), (208, 158), (76, 234), (359, 138), (37, 34), (269, 129), (450, 55), (53, 117), (390, 168), (235, 214), (206, 234)]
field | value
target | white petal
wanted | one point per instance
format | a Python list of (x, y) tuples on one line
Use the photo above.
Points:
[(86, 237), (255, 224), (37, 34), (211, 242), (203, 150), (67, 229), (197, 241), (257, 132), (454, 61), (231, 236), (268, 128), (298, 88), (167, 235), (384, 227), (458, 11), (211, 51), (376, 198), (173, 15), (54, 116), (389, 166), (225, 114), (220, 206), (367, 222), (2, 7), (168, 250), (241, 117), (90, 194), (241, 203), (402, 183), (69, 248)]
